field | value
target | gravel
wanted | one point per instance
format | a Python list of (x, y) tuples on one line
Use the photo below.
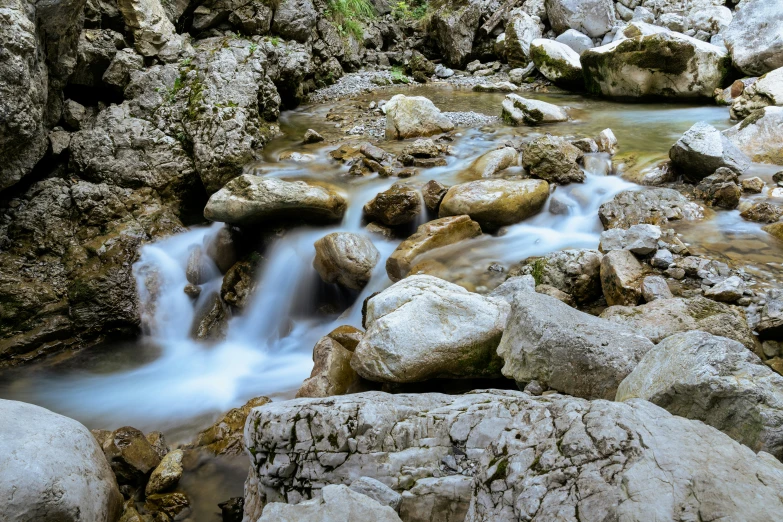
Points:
[(471, 119)]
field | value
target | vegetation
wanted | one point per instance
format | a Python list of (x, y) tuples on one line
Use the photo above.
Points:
[(415, 10), (349, 15), (398, 74)]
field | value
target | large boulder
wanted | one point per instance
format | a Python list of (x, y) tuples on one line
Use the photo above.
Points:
[(715, 380), (521, 30), (524, 111), (575, 272), (495, 203), (592, 17), (557, 62), (53, 469), (547, 341), (414, 116), (454, 30), (295, 19), (424, 327), (505, 456), (577, 41), (703, 149), (252, 18), (664, 317), (429, 236), (249, 200), (669, 65), (768, 90), (760, 135), (755, 37), (554, 160), (337, 502), (345, 258), (655, 206)]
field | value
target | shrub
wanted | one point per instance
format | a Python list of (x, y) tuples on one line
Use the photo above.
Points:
[(348, 15)]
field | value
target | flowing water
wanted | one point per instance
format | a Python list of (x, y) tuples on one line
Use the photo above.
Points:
[(167, 381)]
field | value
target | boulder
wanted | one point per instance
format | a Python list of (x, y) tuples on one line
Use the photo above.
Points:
[(224, 437), (702, 150), (621, 278), (249, 200), (654, 288), (639, 239), (295, 19), (96, 50), (592, 17), (476, 456), (454, 30), (153, 32), (662, 318), (429, 236), (669, 65), (578, 42), (337, 502), (554, 160), (124, 63), (398, 205), (574, 272), (729, 290), (495, 203), (720, 189), (521, 30), (763, 212), (377, 490), (557, 62), (433, 193), (424, 327), (492, 162), (760, 135), (716, 380), (523, 111), (414, 116), (768, 90), (131, 456), (53, 469), (251, 18), (655, 206), (755, 37), (332, 373), (345, 258), (166, 476)]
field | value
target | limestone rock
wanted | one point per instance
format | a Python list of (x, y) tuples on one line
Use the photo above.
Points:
[(593, 17), (523, 111), (337, 502), (557, 62), (455, 29), (720, 189), (225, 436), (414, 116), (760, 135), (153, 32), (332, 373), (639, 239), (346, 259), (755, 37), (654, 288), (575, 272), (377, 490), (703, 149), (554, 160), (521, 30), (768, 90), (489, 164), (295, 19), (621, 276), (398, 205), (118, 73), (167, 474), (763, 212), (655, 206), (433, 193), (577, 41)]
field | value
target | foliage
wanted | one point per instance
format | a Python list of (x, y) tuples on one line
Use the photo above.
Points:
[(398, 75), (348, 15), (415, 10)]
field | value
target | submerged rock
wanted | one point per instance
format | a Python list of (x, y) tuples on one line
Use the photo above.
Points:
[(553, 159), (655, 206), (760, 135), (522, 111), (414, 116), (346, 259), (755, 37), (703, 149), (557, 62)]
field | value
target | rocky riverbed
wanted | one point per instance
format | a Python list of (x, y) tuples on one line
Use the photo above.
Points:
[(450, 260)]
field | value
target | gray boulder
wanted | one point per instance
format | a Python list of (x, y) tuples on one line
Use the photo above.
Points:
[(760, 135), (592, 17), (153, 32), (639, 239), (454, 30), (621, 278), (295, 19), (768, 90), (377, 490), (124, 63), (655, 206), (523, 111), (96, 50), (703, 149), (414, 116), (577, 41), (398, 205), (521, 30), (337, 502), (554, 160), (717, 381), (575, 272), (346, 259), (654, 288), (557, 62), (755, 37)]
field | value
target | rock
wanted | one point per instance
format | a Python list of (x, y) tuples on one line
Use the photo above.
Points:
[(124, 63), (715, 380), (662, 318), (655, 206), (575, 272), (519, 75), (521, 30), (557, 62), (53, 469), (422, 148), (763, 213), (225, 437), (522, 111), (639, 239), (398, 205), (662, 259), (754, 185), (476, 433), (720, 189), (197, 269), (337, 502), (167, 474), (311, 136), (567, 350), (249, 200), (153, 32), (251, 18), (669, 65), (233, 509), (131, 456), (158, 443), (607, 142), (74, 115), (727, 291), (593, 17), (429, 236), (636, 28), (210, 322), (551, 291), (489, 164), (168, 504), (414, 116), (433, 193), (577, 41), (239, 283), (332, 373), (346, 259), (755, 37), (703, 149), (378, 491), (496, 87), (454, 30), (59, 141), (419, 329), (495, 203), (768, 90), (775, 229), (295, 19), (443, 72), (95, 52), (621, 276), (654, 288), (760, 135), (554, 160)]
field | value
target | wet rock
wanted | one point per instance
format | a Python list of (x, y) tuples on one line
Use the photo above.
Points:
[(346, 259), (655, 206), (496, 87), (224, 437), (522, 111), (592, 17), (715, 380), (669, 65), (754, 37), (414, 116), (337, 502), (158, 443), (720, 189), (171, 504), (53, 469), (378, 491), (494, 203), (433, 193), (166, 476), (763, 213), (520, 74), (703, 149), (639, 239), (768, 90), (727, 291), (429, 236), (232, 510), (295, 19), (554, 160), (249, 200), (621, 276), (197, 269), (754, 185), (607, 142), (575, 272), (521, 30), (567, 350), (775, 229), (492, 162), (577, 41), (130, 455), (654, 288), (662, 318), (153, 32), (557, 62), (332, 373), (398, 205), (418, 329), (239, 283), (311, 136), (760, 135), (210, 322), (422, 148)]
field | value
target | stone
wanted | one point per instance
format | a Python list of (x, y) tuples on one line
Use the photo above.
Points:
[(557, 62), (232, 509), (523, 111), (574, 272), (720, 189), (567, 350), (454, 30), (496, 87), (775, 229), (433, 193), (754, 185), (669, 65), (95, 51), (398, 205), (337, 502), (311, 136), (577, 41), (607, 142), (662, 259), (729, 290), (621, 276), (249, 200), (554, 160), (422, 148), (760, 135), (124, 63), (169, 504), (655, 206), (251, 18), (755, 37), (53, 469), (703, 149), (551, 291), (715, 380), (443, 72), (505, 449), (224, 437), (153, 32), (654, 288), (158, 443), (414, 116), (131, 456), (332, 373), (664, 317), (346, 259), (521, 30), (768, 90), (74, 115), (59, 141), (239, 283), (419, 329), (518, 75), (489, 164), (639, 239), (429, 236), (378, 491), (592, 17), (295, 19), (166, 476), (763, 212), (495, 203)]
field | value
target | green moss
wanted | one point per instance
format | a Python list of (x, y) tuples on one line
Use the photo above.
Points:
[(539, 267), (500, 473), (333, 440)]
